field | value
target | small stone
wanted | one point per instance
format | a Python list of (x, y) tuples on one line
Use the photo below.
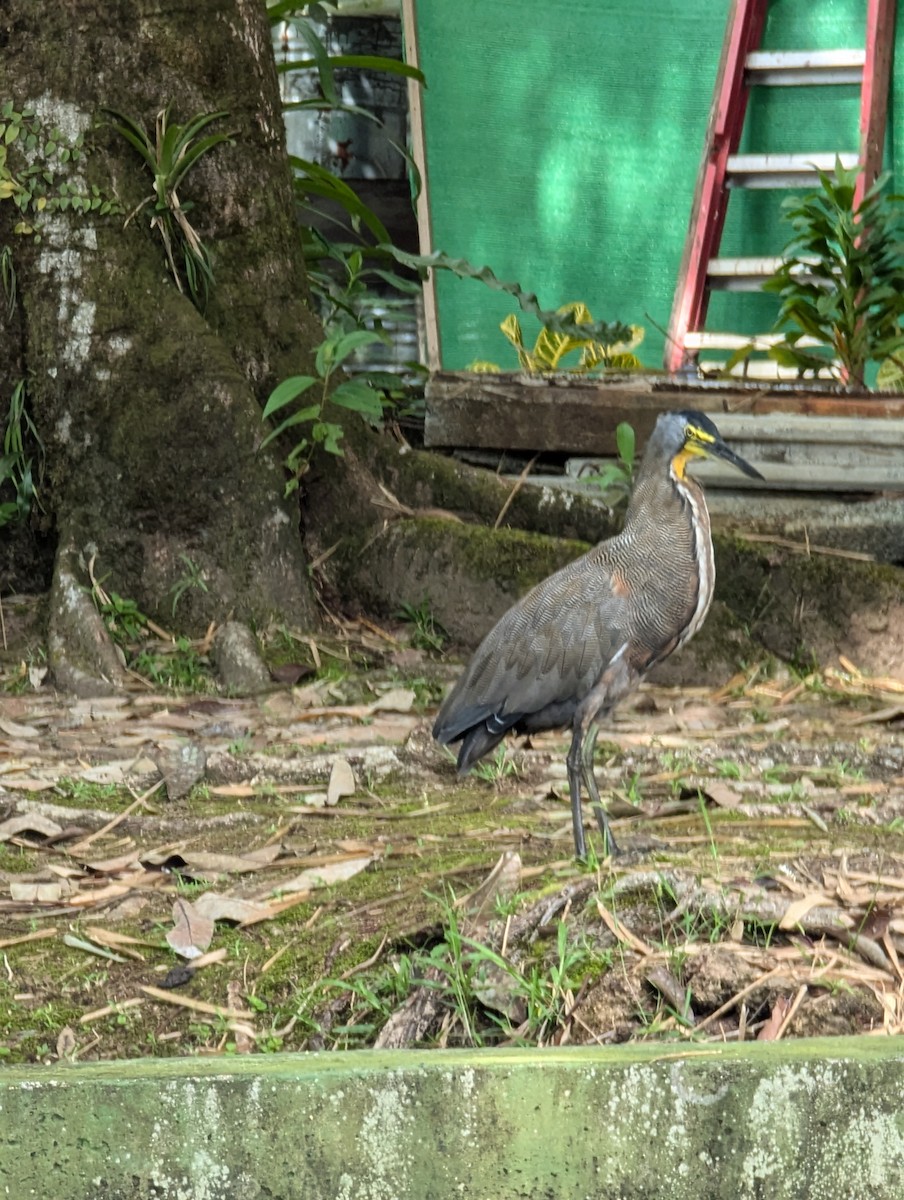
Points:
[(238, 663), (181, 767)]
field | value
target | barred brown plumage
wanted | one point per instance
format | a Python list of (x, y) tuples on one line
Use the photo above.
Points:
[(584, 638)]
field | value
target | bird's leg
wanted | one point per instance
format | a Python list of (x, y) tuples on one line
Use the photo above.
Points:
[(574, 765), (609, 844)]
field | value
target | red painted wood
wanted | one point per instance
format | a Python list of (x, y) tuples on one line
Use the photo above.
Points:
[(880, 40), (743, 33)]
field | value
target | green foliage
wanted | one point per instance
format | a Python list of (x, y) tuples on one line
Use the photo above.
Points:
[(427, 632), (339, 271), (169, 155), (178, 666), (553, 345), (619, 475), (317, 188), (607, 333), (841, 281), (123, 618), (36, 174), (16, 462), (192, 579), (890, 376), (343, 277), (500, 766), (351, 395), (488, 997)]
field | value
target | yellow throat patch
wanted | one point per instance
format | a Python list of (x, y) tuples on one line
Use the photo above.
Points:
[(694, 447)]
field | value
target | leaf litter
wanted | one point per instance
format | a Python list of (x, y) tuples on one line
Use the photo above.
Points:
[(328, 882)]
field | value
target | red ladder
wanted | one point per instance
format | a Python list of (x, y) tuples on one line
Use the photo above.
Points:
[(743, 65)]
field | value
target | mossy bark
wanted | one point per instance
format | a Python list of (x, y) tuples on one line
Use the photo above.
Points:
[(386, 551), (148, 410)]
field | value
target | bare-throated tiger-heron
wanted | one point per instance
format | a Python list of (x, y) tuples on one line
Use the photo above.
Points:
[(582, 639)]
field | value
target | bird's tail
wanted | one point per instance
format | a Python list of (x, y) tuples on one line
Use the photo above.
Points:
[(477, 741)]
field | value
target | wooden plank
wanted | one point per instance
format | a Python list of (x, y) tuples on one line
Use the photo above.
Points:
[(499, 412), (705, 339), (784, 170), (506, 412), (783, 477), (422, 204), (793, 68), (800, 453), (798, 467), (791, 429), (856, 472)]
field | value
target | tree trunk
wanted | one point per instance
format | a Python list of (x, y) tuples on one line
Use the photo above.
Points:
[(149, 411)]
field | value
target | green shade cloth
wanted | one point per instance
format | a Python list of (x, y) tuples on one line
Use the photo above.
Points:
[(563, 143)]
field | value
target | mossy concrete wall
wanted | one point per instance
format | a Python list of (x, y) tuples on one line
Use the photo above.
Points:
[(817, 1119)]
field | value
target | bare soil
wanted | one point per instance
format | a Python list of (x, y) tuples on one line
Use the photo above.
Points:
[(197, 874)]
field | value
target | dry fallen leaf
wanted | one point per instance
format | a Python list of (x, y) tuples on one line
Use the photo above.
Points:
[(109, 772), (798, 909), (722, 794), (772, 1025), (397, 700), (14, 730), (65, 1043), (206, 864), (36, 676), (229, 908), (342, 782), (26, 783), (112, 866), (192, 932), (77, 943), (329, 873), (39, 893), (31, 823)]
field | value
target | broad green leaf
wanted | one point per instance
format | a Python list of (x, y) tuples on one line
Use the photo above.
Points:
[(299, 418), (364, 62), (358, 397), (285, 392), (890, 377), (328, 435), (350, 342), (316, 180), (321, 61), (625, 443), (740, 355)]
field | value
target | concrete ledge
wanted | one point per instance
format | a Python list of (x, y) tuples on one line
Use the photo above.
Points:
[(816, 1119)]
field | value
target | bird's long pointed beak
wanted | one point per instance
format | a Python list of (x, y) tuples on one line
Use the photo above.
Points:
[(719, 449)]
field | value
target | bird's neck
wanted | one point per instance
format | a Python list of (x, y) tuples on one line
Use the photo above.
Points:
[(672, 495)]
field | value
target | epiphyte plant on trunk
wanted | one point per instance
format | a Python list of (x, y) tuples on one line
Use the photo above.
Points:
[(39, 175), (169, 155)]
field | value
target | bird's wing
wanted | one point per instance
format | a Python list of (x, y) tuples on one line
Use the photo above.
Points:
[(549, 648)]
